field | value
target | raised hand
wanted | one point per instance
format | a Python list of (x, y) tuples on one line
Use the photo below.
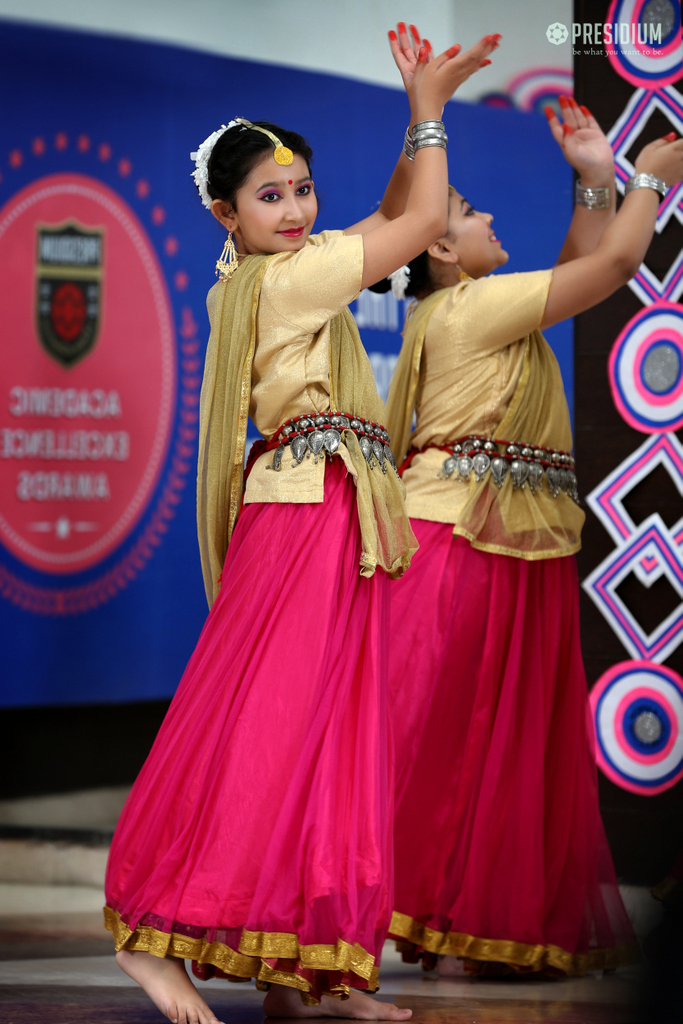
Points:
[(405, 49), (663, 158), (410, 50), (436, 79), (583, 142)]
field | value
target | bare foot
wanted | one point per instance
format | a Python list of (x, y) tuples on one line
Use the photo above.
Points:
[(450, 967), (283, 1001), (167, 984)]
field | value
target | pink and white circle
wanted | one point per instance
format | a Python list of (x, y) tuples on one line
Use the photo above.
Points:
[(646, 55), (638, 715), (654, 333)]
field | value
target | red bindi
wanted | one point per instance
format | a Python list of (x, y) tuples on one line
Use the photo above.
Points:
[(290, 182)]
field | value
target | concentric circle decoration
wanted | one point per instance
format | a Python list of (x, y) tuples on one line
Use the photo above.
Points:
[(533, 89), (646, 369), (638, 714), (643, 41)]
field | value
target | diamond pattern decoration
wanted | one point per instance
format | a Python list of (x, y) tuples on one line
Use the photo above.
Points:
[(653, 543), (606, 501)]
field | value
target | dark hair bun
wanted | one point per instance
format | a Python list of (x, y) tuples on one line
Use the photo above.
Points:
[(381, 286)]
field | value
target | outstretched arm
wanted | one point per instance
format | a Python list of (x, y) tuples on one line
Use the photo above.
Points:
[(405, 50), (586, 149), (583, 282), (425, 218)]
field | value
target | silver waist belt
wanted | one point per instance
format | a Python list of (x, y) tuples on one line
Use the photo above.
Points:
[(321, 434), (526, 464)]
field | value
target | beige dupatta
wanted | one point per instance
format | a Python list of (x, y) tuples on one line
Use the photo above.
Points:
[(387, 539)]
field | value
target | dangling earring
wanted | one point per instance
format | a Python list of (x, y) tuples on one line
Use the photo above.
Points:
[(462, 274), (227, 263)]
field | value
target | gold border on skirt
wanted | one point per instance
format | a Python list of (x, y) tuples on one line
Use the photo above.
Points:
[(516, 954), (248, 961)]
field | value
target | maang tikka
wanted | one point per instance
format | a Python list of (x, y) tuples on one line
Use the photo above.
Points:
[(227, 263)]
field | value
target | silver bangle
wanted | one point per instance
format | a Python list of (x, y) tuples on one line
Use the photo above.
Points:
[(646, 181), (593, 198), (408, 147), (428, 124), (429, 133), (421, 143)]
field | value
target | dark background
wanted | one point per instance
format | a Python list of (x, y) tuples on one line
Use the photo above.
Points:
[(645, 833)]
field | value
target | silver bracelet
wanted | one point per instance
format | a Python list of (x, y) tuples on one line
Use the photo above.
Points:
[(408, 147), (593, 198), (429, 133), (428, 124), (646, 181), (423, 143)]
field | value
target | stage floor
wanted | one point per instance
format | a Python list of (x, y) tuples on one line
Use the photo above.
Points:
[(56, 965)]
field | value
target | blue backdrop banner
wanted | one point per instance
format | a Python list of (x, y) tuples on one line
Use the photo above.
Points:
[(106, 255)]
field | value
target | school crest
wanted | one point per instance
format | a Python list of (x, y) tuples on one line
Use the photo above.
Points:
[(69, 289)]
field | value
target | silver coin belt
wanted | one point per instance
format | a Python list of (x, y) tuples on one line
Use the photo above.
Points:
[(527, 465), (321, 435)]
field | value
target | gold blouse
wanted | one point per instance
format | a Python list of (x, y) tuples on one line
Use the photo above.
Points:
[(483, 362), (300, 293)]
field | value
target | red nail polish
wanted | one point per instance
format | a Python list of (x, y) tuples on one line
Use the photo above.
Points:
[(453, 51), (393, 36), (497, 36), (427, 44), (415, 33), (422, 55), (585, 110), (670, 136), (564, 102), (549, 113), (402, 27), (567, 130), (484, 63), (573, 103)]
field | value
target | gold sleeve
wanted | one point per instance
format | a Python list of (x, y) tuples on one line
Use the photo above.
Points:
[(307, 288), (493, 312)]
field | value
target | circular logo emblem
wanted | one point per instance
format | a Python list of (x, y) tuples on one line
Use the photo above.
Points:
[(557, 33), (646, 45), (638, 713), (90, 372), (646, 369)]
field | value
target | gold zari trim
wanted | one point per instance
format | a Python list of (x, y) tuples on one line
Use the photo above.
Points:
[(342, 957), (501, 549), (255, 948), (517, 954)]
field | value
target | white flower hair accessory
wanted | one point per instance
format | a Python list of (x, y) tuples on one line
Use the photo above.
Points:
[(400, 280), (201, 163)]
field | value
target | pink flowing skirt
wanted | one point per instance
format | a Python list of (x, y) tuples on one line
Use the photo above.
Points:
[(257, 840), (500, 851)]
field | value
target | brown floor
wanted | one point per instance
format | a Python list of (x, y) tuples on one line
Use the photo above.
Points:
[(44, 978)]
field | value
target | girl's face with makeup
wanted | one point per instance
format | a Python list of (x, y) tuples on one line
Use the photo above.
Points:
[(275, 208), (472, 237)]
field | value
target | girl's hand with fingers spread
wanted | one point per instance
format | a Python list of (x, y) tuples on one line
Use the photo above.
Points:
[(583, 142), (405, 49), (435, 80), (663, 158)]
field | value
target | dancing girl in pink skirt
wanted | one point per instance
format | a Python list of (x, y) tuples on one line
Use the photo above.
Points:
[(500, 853), (257, 839)]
